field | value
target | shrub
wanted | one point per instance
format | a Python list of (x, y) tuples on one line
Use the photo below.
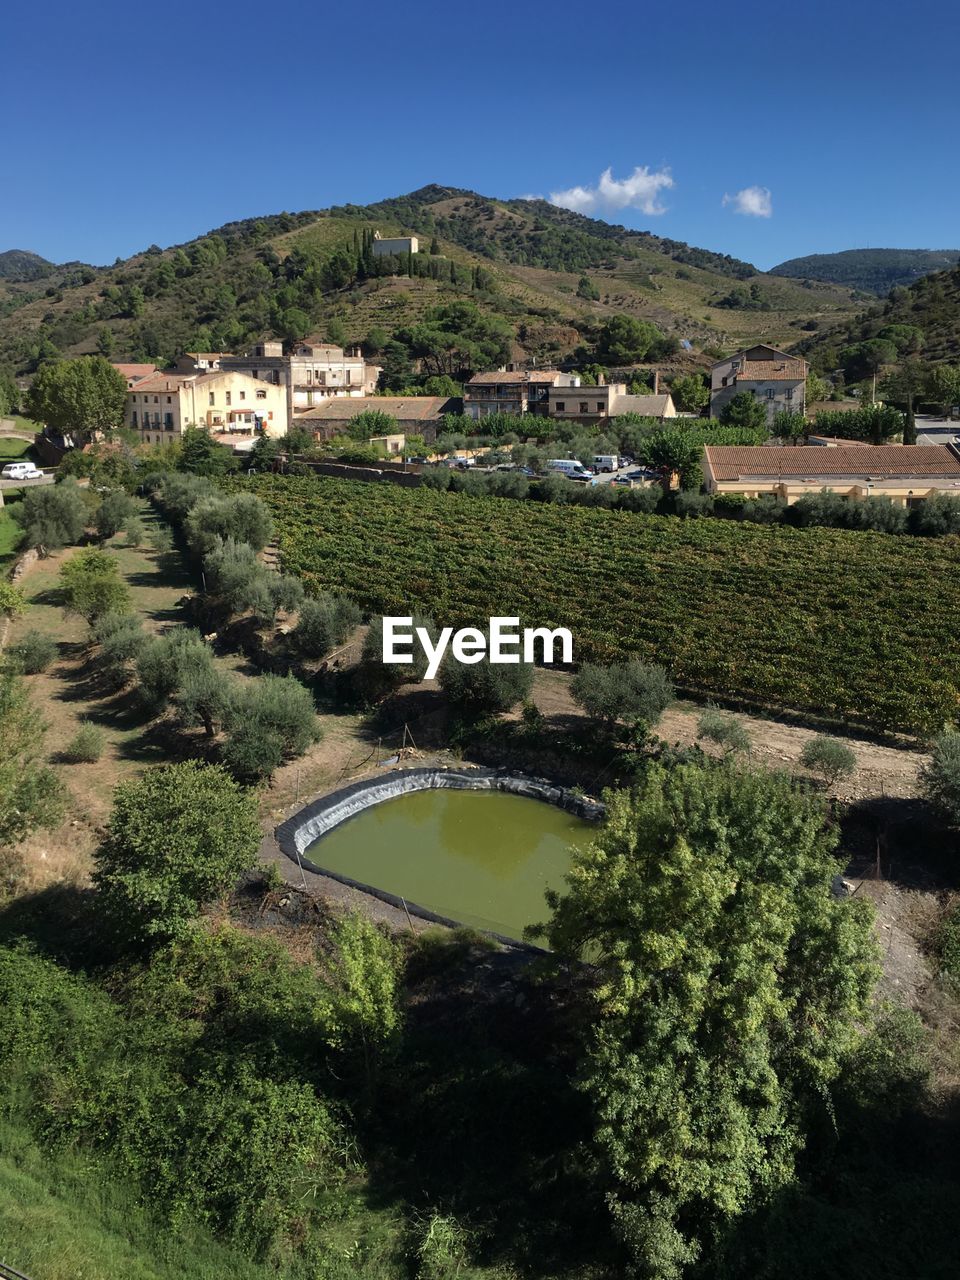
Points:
[(121, 638), (204, 693), (30, 793), (378, 678), (177, 837), (135, 532), (723, 729), (245, 585), (116, 510), (767, 509), (239, 516), (12, 603), (690, 505), (324, 623), (92, 585), (52, 516), (623, 691), (830, 758), (34, 652), (269, 719), (87, 744), (940, 779), (935, 516), (162, 662), (482, 688)]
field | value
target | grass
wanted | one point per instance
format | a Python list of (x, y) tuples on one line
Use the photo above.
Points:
[(10, 537), (59, 1222), (12, 448)]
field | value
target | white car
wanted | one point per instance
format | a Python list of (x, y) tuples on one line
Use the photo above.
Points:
[(21, 471)]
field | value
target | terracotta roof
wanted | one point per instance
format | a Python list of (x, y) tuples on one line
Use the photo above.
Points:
[(163, 382), (737, 462), (791, 369), (650, 406), (410, 408), (136, 370), (520, 376)]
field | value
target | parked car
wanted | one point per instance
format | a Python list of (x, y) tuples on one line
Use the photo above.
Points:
[(572, 468), (21, 471), (606, 462), (418, 460)]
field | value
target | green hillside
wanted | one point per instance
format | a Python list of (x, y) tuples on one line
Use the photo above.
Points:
[(869, 270), (931, 305), (553, 275), (20, 264)]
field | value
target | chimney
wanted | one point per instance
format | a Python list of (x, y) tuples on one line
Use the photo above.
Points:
[(656, 382)]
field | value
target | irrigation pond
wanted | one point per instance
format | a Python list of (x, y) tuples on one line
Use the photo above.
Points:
[(483, 858)]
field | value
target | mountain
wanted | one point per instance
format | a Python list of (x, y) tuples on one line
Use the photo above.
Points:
[(868, 270), (21, 265), (930, 305), (553, 275)]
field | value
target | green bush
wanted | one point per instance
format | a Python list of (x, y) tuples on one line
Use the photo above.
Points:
[(241, 517), (162, 661), (482, 688), (52, 516), (87, 744), (323, 624), (940, 778), (623, 691), (12, 603), (116, 510), (830, 758), (92, 585), (723, 729), (34, 652), (177, 837), (269, 719)]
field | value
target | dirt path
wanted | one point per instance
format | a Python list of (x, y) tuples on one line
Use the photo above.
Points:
[(881, 770)]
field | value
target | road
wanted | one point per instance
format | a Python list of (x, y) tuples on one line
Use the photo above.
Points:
[(937, 431), (47, 478)]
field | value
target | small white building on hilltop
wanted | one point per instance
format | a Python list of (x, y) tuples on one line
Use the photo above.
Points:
[(398, 245)]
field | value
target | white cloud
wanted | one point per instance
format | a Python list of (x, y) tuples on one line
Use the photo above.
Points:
[(531, 195), (754, 202), (640, 191)]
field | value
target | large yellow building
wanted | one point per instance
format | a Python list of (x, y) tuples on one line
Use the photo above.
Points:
[(231, 405)]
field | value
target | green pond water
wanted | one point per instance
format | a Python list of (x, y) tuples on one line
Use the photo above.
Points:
[(484, 858)]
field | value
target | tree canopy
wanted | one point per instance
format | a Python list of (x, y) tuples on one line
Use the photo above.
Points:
[(730, 987), (78, 396)]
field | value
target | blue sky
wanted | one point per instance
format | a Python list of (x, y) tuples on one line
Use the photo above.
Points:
[(824, 125)]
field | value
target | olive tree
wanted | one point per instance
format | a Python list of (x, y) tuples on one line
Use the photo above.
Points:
[(940, 778), (626, 691), (30, 794), (830, 758), (177, 837), (92, 585), (483, 688), (52, 516)]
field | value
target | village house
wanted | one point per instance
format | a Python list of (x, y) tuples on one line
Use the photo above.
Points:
[(231, 405), (904, 473), (773, 376), (518, 391), (200, 361), (609, 400), (414, 415), (314, 371)]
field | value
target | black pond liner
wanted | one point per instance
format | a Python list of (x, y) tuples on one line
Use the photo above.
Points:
[(320, 817)]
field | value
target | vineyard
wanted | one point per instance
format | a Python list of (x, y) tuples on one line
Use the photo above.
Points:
[(855, 626)]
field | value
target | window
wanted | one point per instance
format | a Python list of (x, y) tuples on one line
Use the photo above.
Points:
[(599, 406), (169, 401), (769, 393), (561, 406), (788, 394), (133, 418), (210, 399), (261, 395), (228, 397), (584, 407), (243, 395), (156, 399), (168, 421)]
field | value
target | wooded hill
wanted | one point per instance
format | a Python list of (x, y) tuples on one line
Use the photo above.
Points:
[(931, 304), (869, 270), (552, 274)]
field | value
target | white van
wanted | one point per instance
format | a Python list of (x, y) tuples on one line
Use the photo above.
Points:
[(21, 471), (606, 462), (570, 468)]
